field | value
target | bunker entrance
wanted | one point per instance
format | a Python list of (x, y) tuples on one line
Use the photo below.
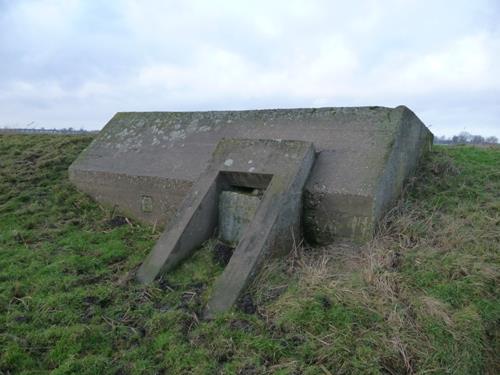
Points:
[(239, 199), (251, 191)]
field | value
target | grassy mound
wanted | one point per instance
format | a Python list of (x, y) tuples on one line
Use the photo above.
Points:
[(421, 298)]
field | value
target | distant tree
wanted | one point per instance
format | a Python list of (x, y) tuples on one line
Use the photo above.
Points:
[(465, 137), (491, 140), (442, 140), (477, 140)]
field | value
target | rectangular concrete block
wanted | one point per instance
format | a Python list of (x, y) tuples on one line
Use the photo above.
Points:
[(236, 210)]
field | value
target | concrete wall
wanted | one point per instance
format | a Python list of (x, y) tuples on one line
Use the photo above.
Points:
[(364, 156)]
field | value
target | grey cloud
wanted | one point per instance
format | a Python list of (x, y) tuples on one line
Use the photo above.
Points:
[(75, 63)]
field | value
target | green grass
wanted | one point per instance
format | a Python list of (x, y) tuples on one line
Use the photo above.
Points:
[(420, 298)]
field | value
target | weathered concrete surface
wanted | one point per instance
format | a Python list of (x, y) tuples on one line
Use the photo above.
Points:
[(364, 156), (236, 210), (281, 169)]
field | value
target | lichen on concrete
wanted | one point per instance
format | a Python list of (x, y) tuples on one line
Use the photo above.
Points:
[(364, 156)]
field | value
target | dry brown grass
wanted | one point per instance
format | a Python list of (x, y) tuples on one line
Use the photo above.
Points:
[(428, 326)]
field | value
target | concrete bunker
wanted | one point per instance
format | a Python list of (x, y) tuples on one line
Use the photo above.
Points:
[(331, 172)]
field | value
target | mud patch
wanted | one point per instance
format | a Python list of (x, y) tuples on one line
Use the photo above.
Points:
[(248, 370), (222, 253), (116, 221), (164, 284), (246, 304), (241, 324)]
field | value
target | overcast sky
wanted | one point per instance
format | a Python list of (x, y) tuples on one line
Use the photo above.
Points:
[(75, 63)]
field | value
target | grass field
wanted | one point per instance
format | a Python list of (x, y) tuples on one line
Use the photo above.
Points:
[(422, 298)]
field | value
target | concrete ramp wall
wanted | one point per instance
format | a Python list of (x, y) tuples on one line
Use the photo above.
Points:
[(145, 163)]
